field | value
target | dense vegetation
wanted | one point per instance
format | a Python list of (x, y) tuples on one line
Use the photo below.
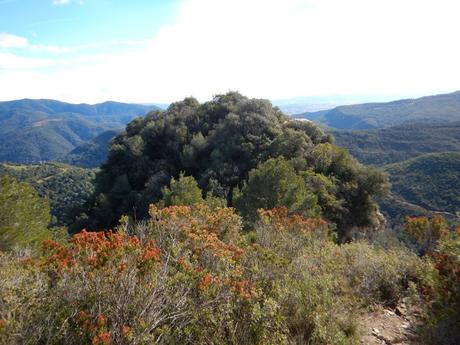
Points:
[(431, 109), (219, 143), (191, 275), (66, 187), (44, 130)]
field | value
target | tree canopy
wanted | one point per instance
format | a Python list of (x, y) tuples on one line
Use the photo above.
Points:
[(218, 143)]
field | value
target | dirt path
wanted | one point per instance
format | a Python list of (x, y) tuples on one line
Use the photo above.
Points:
[(387, 327)]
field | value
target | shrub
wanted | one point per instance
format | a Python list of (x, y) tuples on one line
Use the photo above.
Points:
[(189, 275), (441, 291)]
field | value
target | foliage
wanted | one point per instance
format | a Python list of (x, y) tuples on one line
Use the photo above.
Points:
[(275, 183), (188, 275), (66, 187), (176, 281), (425, 232), (219, 143), (440, 286), (24, 216), (183, 191)]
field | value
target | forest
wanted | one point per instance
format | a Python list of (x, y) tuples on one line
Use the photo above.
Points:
[(224, 222)]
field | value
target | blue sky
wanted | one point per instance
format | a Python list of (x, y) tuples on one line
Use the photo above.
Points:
[(78, 22), (81, 22), (162, 51)]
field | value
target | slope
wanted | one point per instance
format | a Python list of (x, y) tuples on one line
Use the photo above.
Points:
[(43, 130), (93, 153), (396, 144)]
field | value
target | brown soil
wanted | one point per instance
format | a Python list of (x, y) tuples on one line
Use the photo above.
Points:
[(385, 326)]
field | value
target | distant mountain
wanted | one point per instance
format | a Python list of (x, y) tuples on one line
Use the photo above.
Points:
[(44, 130), (396, 144), (434, 109), (93, 153)]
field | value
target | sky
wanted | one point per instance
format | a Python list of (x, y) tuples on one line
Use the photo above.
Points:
[(160, 51)]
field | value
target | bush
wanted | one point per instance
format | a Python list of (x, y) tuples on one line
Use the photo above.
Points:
[(189, 275), (177, 282), (441, 291)]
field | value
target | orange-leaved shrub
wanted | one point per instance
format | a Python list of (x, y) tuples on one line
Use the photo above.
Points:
[(177, 279), (440, 285), (191, 275)]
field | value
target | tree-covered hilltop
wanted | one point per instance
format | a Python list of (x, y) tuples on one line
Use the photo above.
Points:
[(66, 187), (218, 143)]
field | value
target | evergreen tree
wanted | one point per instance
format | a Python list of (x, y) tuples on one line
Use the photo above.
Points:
[(275, 183), (183, 191)]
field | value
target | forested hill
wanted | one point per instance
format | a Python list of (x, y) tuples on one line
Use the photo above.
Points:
[(426, 184), (93, 153), (432, 109), (242, 151), (44, 130), (65, 186)]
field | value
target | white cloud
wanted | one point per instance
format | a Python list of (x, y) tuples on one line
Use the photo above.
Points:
[(12, 41), (11, 62), (271, 49)]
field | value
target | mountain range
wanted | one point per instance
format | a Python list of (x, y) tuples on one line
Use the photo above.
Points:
[(45, 130), (431, 109)]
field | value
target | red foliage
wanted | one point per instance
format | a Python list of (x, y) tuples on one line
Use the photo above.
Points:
[(205, 281), (94, 249), (101, 339), (283, 221)]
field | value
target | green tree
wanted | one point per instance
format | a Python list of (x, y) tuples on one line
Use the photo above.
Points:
[(275, 183), (218, 143), (24, 216), (183, 191)]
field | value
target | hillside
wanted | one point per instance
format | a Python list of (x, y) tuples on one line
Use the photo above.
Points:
[(65, 186), (434, 109), (44, 130), (431, 181), (93, 153), (396, 144)]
